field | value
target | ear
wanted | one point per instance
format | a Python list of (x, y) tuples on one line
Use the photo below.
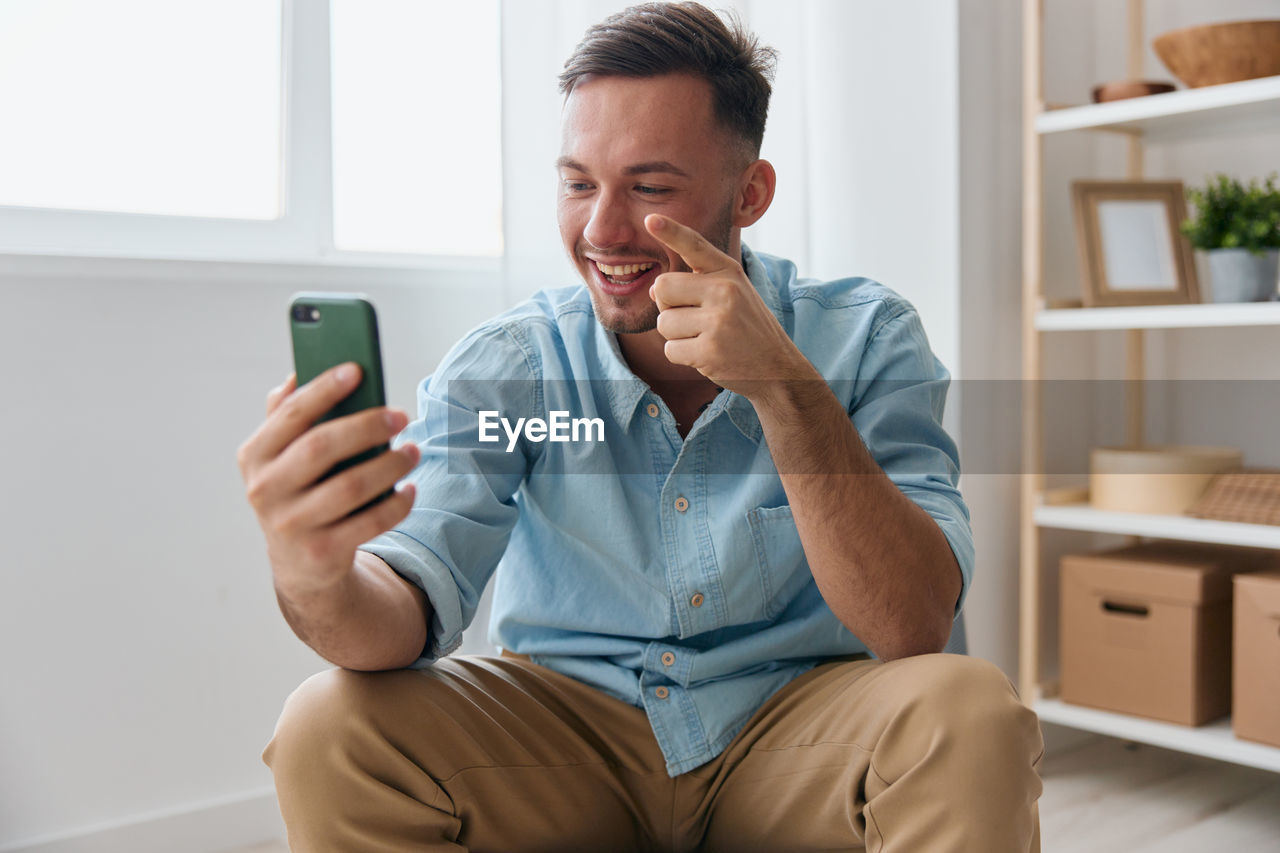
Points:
[(755, 193)]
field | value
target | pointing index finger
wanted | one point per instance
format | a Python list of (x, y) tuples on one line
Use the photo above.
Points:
[(691, 246)]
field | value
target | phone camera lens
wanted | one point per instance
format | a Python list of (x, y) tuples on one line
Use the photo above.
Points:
[(306, 313)]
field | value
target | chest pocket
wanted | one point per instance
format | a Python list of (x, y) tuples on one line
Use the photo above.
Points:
[(780, 559)]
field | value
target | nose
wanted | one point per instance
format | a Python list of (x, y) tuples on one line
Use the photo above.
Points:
[(610, 223)]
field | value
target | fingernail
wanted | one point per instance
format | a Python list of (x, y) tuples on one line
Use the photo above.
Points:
[(659, 223), (347, 374)]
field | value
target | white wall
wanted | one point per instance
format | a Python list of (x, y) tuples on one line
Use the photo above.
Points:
[(144, 659), (989, 312)]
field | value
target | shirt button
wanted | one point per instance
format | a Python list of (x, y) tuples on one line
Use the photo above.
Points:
[(697, 599), (668, 658), (681, 504), (661, 692), (652, 409)]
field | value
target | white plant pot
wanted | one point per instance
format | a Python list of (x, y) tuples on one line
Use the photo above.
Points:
[(1238, 275)]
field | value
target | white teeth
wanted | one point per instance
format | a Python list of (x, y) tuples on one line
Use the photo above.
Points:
[(625, 269)]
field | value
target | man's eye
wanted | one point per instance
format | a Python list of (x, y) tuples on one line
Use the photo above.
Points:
[(577, 186), (643, 190)]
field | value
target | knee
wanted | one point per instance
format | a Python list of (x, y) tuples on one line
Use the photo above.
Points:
[(964, 683), (971, 698), (324, 715)]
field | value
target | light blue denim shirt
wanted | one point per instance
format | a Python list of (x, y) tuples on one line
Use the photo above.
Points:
[(665, 572)]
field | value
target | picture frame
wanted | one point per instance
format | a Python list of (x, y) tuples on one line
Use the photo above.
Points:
[(1132, 250)]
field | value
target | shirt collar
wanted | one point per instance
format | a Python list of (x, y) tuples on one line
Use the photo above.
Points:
[(626, 390)]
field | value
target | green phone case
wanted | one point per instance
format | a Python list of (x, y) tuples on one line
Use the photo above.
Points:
[(329, 329)]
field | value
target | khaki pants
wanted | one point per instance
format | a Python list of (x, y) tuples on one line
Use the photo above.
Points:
[(927, 753)]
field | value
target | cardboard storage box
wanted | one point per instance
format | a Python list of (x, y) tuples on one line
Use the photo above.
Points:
[(1146, 629), (1255, 713)]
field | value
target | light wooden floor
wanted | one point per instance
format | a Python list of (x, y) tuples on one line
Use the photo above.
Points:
[(1109, 796), (1106, 796)]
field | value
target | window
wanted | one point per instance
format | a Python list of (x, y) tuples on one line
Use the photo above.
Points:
[(141, 106), (364, 131)]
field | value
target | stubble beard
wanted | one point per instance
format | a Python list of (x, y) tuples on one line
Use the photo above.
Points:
[(611, 311)]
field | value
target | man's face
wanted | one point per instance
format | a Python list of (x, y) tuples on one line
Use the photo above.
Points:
[(631, 147)]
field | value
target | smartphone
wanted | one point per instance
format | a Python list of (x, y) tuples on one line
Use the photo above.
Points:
[(329, 329)]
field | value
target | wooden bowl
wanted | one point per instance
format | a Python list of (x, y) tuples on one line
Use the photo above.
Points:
[(1118, 90), (1221, 53)]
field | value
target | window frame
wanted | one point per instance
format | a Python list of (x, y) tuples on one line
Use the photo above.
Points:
[(301, 235)]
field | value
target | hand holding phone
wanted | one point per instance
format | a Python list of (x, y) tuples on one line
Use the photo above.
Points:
[(329, 329), (317, 471)]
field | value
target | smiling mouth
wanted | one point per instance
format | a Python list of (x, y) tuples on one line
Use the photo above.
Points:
[(624, 274)]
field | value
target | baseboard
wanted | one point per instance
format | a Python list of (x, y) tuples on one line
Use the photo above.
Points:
[(211, 826)]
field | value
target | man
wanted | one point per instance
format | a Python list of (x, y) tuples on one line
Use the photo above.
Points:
[(688, 606)]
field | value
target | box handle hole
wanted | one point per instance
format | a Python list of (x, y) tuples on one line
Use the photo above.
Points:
[(1129, 609)]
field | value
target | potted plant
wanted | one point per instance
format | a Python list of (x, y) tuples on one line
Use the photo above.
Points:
[(1239, 229)]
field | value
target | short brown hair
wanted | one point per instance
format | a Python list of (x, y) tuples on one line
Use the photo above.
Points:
[(665, 38)]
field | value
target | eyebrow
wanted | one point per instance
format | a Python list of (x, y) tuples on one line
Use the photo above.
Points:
[(650, 168)]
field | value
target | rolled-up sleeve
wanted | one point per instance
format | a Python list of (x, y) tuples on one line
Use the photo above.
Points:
[(465, 505), (897, 407)]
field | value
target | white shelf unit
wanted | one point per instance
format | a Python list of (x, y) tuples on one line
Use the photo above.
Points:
[(1214, 740), (1188, 114), (1159, 317), (1185, 114), (1184, 528)]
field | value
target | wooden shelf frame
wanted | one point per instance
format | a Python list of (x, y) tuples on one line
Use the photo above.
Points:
[(1218, 110)]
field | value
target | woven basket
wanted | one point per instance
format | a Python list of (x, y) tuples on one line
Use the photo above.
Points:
[(1251, 496)]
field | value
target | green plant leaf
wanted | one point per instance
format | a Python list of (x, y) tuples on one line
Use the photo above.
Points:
[(1228, 214)]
